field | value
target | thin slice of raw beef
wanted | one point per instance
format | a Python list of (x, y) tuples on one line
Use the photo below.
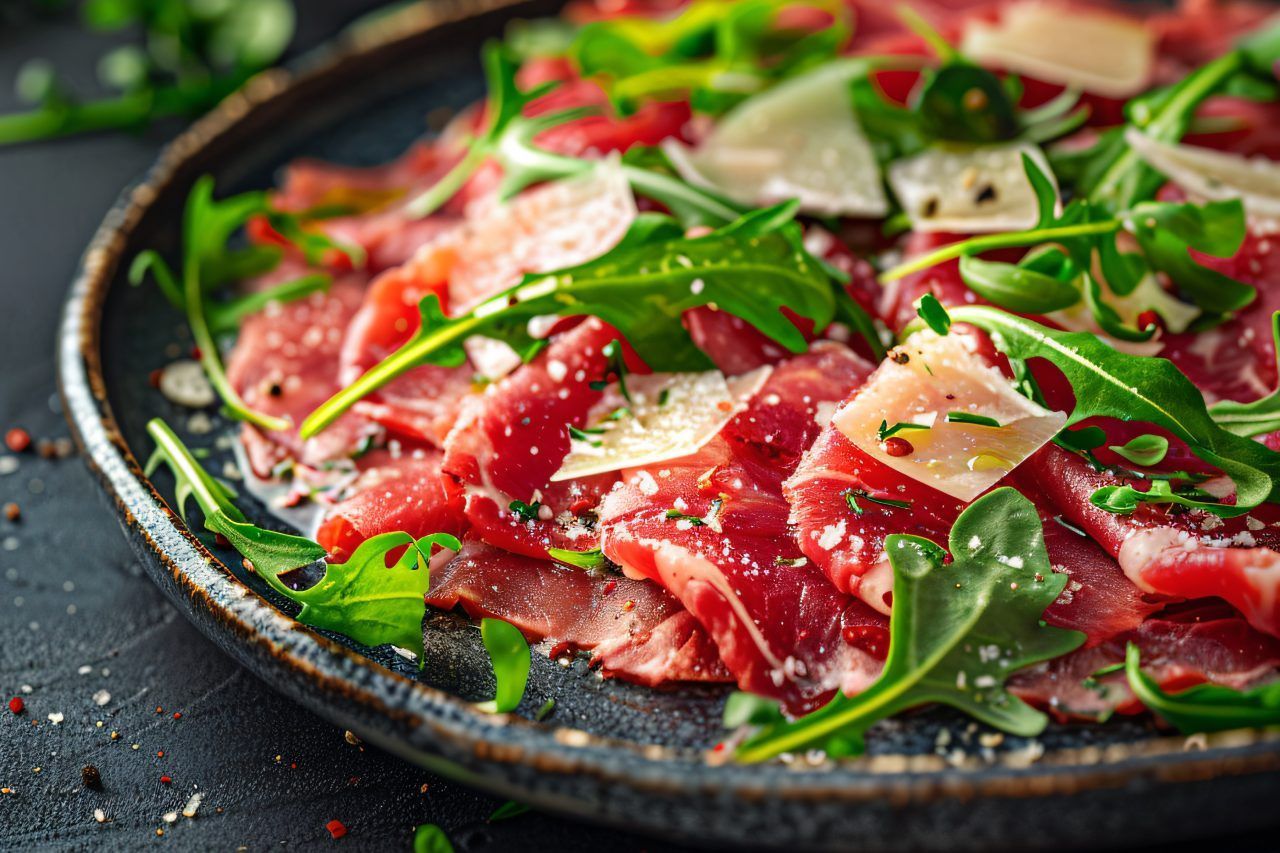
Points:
[(634, 629), (712, 528)]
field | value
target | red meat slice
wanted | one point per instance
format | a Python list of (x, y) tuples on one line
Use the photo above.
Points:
[(285, 363), (402, 492), (423, 403), (1170, 552), (635, 629), (1177, 651), (781, 628), (510, 441)]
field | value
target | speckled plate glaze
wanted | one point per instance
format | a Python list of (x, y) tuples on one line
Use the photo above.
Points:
[(610, 752)]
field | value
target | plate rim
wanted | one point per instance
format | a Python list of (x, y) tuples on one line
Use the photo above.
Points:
[(437, 730)]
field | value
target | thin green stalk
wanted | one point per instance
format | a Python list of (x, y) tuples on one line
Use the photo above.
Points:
[(975, 245)]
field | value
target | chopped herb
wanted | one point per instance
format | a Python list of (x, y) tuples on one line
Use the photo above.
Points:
[(508, 810), (545, 711), (970, 418), (933, 314), (509, 654), (1107, 670), (524, 511), (1069, 526), (852, 496), (748, 709), (677, 515), (593, 560), (663, 396), (586, 435), (885, 431)]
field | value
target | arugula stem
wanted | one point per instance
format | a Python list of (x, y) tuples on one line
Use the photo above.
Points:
[(1013, 239), (400, 361), (448, 186), (177, 455), (210, 359)]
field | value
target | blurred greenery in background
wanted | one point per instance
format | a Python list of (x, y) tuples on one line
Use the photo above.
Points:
[(185, 56)]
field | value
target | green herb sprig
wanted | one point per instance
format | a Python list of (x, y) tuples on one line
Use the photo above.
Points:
[(509, 654), (190, 56), (959, 629)]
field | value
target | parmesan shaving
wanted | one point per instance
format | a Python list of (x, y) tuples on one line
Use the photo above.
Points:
[(670, 415), (969, 190), (1213, 175), (941, 376), (799, 140), (1076, 47)]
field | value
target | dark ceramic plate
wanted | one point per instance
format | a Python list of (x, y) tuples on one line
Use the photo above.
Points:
[(611, 752)]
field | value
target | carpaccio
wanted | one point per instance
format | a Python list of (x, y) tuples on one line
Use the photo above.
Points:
[(785, 592)]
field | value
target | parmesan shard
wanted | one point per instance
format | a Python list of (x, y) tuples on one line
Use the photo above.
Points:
[(969, 190), (801, 140), (1080, 48), (932, 380), (1213, 175), (669, 415)]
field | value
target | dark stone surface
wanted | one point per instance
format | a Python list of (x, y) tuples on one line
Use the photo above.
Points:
[(80, 618)]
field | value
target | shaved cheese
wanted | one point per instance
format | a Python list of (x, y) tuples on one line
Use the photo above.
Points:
[(969, 190), (670, 415), (1075, 47), (1213, 175), (798, 140), (941, 376)]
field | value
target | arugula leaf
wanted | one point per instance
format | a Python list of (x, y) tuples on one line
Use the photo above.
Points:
[(508, 810), (958, 630), (207, 262), (1164, 231), (1205, 707), (1145, 449), (1108, 383), (365, 599), (934, 315), (1017, 287), (509, 654), (1259, 417), (748, 709), (270, 551), (1127, 499), (525, 511), (751, 269), (592, 561), (429, 838)]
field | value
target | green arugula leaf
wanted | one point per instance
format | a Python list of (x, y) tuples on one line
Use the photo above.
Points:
[(1205, 707), (933, 314), (748, 709), (508, 810), (429, 838), (591, 561), (1127, 499), (270, 551), (365, 599), (751, 269), (958, 630), (1108, 383), (1145, 450), (1017, 287), (509, 654), (1259, 417)]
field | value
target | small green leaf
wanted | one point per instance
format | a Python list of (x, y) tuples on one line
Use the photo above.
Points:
[(1145, 449), (961, 102), (971, 418), (508, 810), (429, 838), (525, 511), (509, 654), (1204, 707), (1017, 288), (748, 709), (934, 315), (593, 560), (1259, 417)]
